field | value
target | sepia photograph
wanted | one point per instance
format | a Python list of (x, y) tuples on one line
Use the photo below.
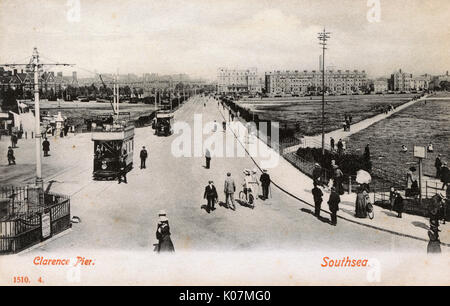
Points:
[(224, 143)]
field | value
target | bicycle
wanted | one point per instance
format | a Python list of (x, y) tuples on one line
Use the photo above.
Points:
[(247, 196)]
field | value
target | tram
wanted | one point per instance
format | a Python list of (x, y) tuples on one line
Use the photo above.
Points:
[(163, 123), (112, 143)]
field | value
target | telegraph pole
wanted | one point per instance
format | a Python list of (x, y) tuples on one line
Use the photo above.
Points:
[(323, 37), (35, 65)]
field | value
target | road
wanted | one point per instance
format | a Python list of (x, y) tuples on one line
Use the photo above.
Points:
[(123, 217)]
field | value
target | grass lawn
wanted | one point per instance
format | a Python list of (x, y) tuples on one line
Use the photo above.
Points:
[(305, 113), (420, 124)]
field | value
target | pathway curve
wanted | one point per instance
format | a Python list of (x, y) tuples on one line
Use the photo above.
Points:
[(298, 185)]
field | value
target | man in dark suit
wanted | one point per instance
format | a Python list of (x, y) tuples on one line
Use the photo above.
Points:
[(265, 183), (317, 195), (333, 203), (46, 146), (210, 195), (143, 155)]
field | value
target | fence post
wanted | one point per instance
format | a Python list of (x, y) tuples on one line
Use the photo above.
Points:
[(349, 184)]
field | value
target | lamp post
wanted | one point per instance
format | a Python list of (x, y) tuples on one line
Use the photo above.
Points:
[(323, 37)]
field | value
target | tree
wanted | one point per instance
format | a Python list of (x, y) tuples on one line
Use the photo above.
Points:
[(444, 85)]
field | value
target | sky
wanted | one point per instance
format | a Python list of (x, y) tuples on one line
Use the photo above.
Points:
[(199, 36)]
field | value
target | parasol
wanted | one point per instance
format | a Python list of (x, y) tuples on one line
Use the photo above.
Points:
[(363, 177)]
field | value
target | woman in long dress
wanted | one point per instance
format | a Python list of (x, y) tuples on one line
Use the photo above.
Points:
[(163, 235), (361, 203)]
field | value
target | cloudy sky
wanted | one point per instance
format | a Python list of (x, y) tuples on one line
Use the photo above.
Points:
[(198, 36)]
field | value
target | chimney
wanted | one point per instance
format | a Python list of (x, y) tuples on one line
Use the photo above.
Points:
[(15, 71), (74, 75), (446, 73)]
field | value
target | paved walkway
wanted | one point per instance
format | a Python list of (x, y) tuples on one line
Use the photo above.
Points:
[(297, 184)]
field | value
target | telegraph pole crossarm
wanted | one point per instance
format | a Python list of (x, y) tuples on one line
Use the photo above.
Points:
[(323, 38)]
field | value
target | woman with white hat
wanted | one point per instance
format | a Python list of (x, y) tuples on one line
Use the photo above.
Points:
[(163, 234)]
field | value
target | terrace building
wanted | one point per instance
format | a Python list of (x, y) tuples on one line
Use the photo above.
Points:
[(238, 81), (302, 82), (380, 85), (401, 81)]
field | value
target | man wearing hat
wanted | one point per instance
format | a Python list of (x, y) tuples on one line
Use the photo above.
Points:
[(210, 195), (317, 195), (143, 155), (229, 190), (265, 183), (333, 204)]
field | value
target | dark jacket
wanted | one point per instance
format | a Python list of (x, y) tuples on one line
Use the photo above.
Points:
[(333, 201), (210, 192), (143, 154), (438, 163), (264, 179), (317, 194), (123, 165), (317, 172), (10, 153), (445, 174), (46, 145), (398, 203)]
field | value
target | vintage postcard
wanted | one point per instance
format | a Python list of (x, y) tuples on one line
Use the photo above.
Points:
[(224, 143)]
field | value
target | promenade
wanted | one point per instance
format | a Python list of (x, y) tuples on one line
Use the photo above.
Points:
[(298, 185), (123, 217)]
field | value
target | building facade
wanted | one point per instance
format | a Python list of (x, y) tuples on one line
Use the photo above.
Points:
[(401, 81), (302, 82), (238, 81), (380, 85)]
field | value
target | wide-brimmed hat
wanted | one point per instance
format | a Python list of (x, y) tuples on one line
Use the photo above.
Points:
[(163, 219), (247, 171), (162, 213)]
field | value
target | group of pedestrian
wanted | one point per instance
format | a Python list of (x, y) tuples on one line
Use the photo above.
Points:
[(333, 202), (442, 171), (250, 185), (340, 146), (396, 201)]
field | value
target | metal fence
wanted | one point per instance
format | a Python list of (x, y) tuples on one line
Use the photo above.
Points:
[(22, 228)]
